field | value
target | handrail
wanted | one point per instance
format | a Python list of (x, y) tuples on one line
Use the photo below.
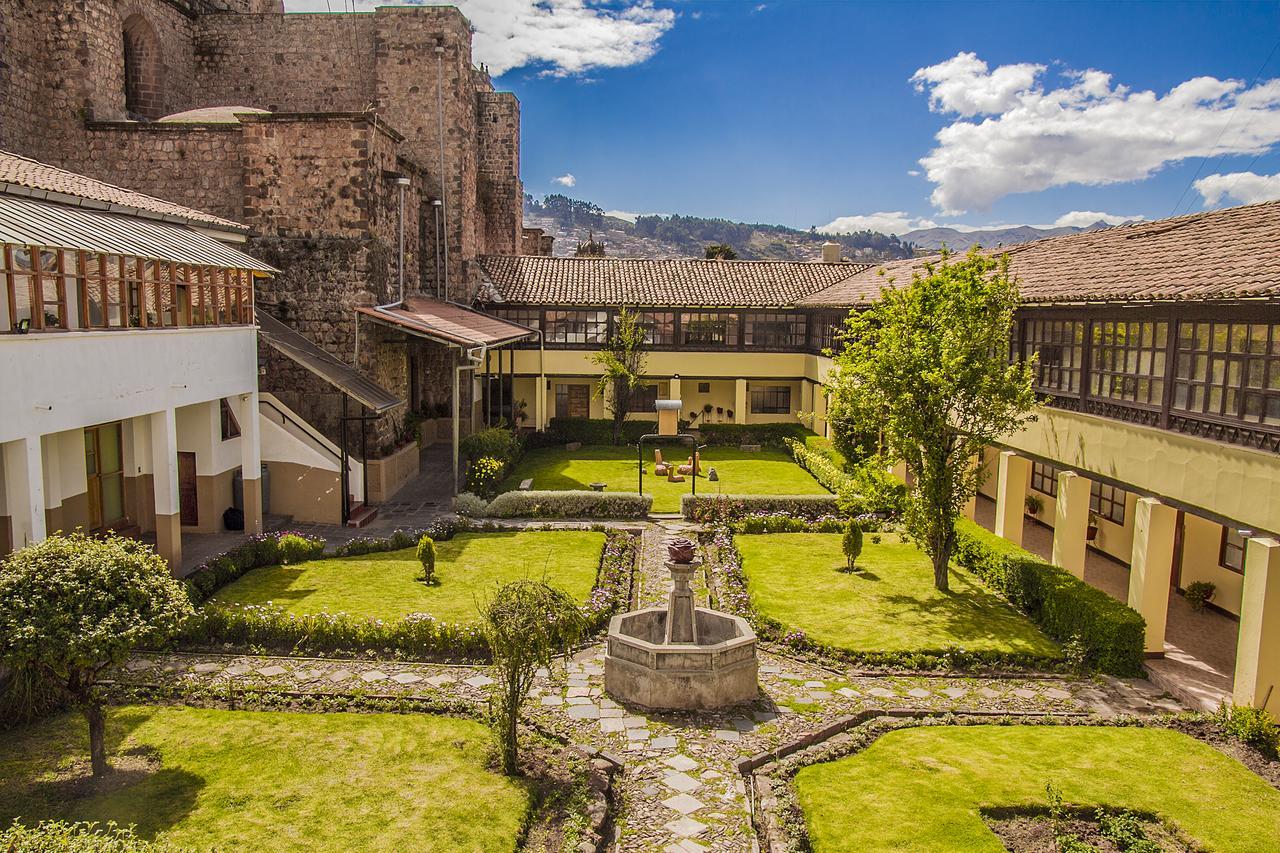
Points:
[(286, 420)]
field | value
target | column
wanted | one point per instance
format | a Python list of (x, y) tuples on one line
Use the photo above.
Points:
[(1258, 653), (24, 490), (1071, 522), (540, 402), (820, 411), (740, 401), (806, 403), (674, 393), (899, 470), (1011, 495), (250, 461), (971, 505), (164, 479), (1151, 567)]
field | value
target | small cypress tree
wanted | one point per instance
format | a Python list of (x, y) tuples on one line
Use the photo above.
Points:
[(427, 556), (851, 542)]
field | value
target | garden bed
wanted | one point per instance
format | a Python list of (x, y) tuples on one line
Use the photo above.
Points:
[(793, 588), (771, 471)]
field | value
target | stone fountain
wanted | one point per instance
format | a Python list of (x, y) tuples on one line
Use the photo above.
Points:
[(680, 657)]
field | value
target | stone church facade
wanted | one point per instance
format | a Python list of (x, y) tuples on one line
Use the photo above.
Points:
[(332, 136)]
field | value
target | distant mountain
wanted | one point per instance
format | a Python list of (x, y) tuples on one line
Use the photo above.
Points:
[(572, 221), (932, 239)]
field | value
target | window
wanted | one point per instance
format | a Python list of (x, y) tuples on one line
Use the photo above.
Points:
[(1060, 347), (577, 327), (230, 426), (771, 400), (659, 327), (826, 330), (1044, 478), (1231, 552), (775, 331), (1228, 370), (1107, 502), (531, 317), (644, 399), (704, 387), (710, 329), (1129, 361)]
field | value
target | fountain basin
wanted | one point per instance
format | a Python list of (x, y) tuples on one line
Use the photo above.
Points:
[(716, 671)]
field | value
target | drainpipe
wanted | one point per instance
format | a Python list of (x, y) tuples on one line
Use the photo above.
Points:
[(403, 183), (476, 356), (435, 206)]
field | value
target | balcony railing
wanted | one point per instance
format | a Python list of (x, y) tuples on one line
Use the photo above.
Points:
[(52, 289)]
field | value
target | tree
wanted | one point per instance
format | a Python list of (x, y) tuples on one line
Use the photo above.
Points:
[(851, 542), (73, 605), (622, 361), (720, 252), (427, 556), (526, 624), (928, 365)]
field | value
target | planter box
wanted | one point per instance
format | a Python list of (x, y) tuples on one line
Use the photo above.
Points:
[(389, 474)]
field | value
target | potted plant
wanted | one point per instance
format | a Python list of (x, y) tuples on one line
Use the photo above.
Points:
[(707, 408), (1199, 593), (1034, 505), (1091, 532), (729, 414)]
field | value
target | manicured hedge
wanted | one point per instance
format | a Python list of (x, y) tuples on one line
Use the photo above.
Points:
[(1064, 606), (726, 508), (593, 431), (821, 465), (765, 434), (569, 504), (265, 549)]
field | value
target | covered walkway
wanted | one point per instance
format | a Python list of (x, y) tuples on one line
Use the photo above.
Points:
[(1200, 646)]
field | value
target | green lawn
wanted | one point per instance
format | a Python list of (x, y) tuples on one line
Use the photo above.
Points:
[(891, 607), (921, 789), (384, 586), (266, 781), (769, 472)]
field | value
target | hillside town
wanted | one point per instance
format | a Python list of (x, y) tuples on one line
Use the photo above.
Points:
[(353, 497)]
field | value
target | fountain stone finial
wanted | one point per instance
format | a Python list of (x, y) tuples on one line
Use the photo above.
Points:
[(682, 627)]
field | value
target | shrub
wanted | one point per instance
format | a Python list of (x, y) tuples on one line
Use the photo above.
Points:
[(469, 505), (427, 556), (87, 837), (1199, 593), (725, 508), (569, 504), (851, 542), (497, 443), (1061, 604), (1253, 726), (781, 522), (484, 475), (295, 548), (821, 465), (874, 490), (593, 431), (772, 435)]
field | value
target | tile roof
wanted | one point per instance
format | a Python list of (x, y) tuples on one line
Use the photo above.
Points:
[(1232, 253), (22, 176), (450, 323), (658, 283)]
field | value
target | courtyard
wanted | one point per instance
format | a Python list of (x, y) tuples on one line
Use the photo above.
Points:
[(768, 471)]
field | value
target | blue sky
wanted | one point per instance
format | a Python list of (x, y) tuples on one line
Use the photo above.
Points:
[(891, 114)]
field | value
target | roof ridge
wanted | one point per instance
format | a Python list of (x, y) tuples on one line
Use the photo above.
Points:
[(776, 261)]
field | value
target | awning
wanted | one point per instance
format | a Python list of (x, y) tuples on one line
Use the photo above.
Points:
[(342, 376), (25, 221), (449, 323)]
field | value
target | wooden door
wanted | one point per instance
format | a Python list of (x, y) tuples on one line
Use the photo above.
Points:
[(579, 401), (188, 505), (104, 469)]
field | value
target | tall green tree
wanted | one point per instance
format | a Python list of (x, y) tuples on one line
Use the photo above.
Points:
[(928, 365), (622, 361), (720, 252), (73, 605)]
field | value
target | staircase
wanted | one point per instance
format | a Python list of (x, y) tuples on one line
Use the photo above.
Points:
[(361, 514)]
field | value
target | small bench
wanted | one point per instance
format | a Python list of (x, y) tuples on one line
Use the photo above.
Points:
[(598, 487), (526, 485)]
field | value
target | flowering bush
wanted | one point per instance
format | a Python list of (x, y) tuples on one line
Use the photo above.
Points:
[(296, 548), (265, 549), (722, 509), (484, 475), (570, 504)]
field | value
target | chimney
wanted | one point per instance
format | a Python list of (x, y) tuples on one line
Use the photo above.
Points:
[(830, 253)]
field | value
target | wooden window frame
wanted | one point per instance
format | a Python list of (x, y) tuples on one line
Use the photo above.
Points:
[(1225, 543), (1115, 499), (1045, 472), (767, 403)]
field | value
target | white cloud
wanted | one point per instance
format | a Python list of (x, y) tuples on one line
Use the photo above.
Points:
[(565, 180), (885, 221), (624, 214), (1244, 187), (568, 37), (1013, 135), (1082, 218)]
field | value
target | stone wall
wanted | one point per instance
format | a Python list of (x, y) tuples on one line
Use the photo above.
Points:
[(501, 192), (294, 63)]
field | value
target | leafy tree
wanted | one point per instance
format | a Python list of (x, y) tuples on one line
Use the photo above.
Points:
[(622, 361), (720, 252), (73, 605), (851, 542), (427, 556), (928, 365), (526, 624)]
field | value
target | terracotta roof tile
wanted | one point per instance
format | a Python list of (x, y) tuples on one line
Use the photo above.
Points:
[(31, 178), (1221, 254), (658, 283), (445, 321)]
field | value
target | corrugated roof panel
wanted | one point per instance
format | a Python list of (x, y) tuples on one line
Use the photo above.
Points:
[(39, 223), (337, 373)]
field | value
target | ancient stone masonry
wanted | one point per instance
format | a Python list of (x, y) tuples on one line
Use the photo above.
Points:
[(306, 125)]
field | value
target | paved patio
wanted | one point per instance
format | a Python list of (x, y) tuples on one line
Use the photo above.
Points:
[(1199, 648)]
